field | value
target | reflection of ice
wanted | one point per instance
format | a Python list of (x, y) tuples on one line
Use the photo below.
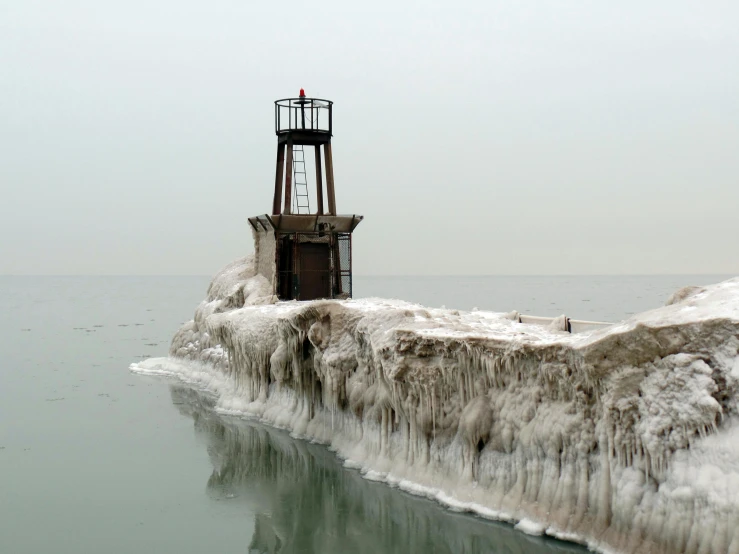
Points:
[(265, 538), (309, 503)]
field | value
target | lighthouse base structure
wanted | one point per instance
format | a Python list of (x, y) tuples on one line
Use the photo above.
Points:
[(305, 257), (624, 438)]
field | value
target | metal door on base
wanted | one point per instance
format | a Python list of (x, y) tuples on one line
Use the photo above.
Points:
[(315, 273)]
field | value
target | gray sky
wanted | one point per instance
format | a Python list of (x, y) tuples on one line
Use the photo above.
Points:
[(486, 137)]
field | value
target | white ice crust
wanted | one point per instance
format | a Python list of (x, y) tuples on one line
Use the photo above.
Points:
[(625, 438)]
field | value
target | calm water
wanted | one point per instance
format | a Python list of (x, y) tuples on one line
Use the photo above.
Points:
[(95, 459)]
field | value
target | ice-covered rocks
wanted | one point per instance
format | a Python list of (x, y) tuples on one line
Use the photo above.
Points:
[(625, 438)]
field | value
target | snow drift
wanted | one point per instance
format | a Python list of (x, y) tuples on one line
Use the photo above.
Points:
[(625, 438)]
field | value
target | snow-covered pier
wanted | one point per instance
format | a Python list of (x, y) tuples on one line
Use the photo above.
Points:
[(623, 437)]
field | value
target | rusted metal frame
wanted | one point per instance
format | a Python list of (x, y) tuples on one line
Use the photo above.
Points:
[(278, 270), (347, 271), (304, 137), (330, 178), (287, 207), (332, 265), (252, 225), (282, 271), (281, 101), (336, 254), (272, 223), (278, 178), (291, 104), (296, 267), (262, 223), (319, 180)]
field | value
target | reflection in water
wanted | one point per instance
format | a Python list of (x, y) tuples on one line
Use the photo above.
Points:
[(309, 503)]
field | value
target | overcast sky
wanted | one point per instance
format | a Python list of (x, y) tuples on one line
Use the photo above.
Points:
[(482, 137)]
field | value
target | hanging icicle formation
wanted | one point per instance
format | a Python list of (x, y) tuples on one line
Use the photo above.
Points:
[(623, 438)]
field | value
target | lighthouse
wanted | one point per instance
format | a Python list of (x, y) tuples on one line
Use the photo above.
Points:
[(304, 246)]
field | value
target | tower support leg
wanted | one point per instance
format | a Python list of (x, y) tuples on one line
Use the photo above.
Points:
[(330, 178), (278, 179), (287, 208)]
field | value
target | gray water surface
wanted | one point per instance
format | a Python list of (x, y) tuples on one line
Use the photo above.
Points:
[(96, 459)]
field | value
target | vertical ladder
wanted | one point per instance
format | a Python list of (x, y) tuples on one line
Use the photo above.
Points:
[(301, 203)]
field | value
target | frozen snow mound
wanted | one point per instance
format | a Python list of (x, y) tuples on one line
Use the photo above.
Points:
[(236, 285), (625, 438)]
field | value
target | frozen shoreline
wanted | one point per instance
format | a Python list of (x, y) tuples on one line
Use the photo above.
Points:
[(202, 377), (622, 438)]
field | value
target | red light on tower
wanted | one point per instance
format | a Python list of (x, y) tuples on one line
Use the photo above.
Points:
[(302, 93)]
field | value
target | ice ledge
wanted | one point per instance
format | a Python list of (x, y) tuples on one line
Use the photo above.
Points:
[(624, 438)]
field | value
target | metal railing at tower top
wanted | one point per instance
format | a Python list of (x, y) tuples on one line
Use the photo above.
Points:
[(303, 114)]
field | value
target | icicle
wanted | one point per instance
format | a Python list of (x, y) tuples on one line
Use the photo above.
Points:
[(433, 413)]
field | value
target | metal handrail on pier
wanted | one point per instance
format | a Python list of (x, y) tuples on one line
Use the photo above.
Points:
[(569, 325)]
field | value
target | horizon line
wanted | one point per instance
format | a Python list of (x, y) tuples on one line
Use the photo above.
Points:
[(386, 275)]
